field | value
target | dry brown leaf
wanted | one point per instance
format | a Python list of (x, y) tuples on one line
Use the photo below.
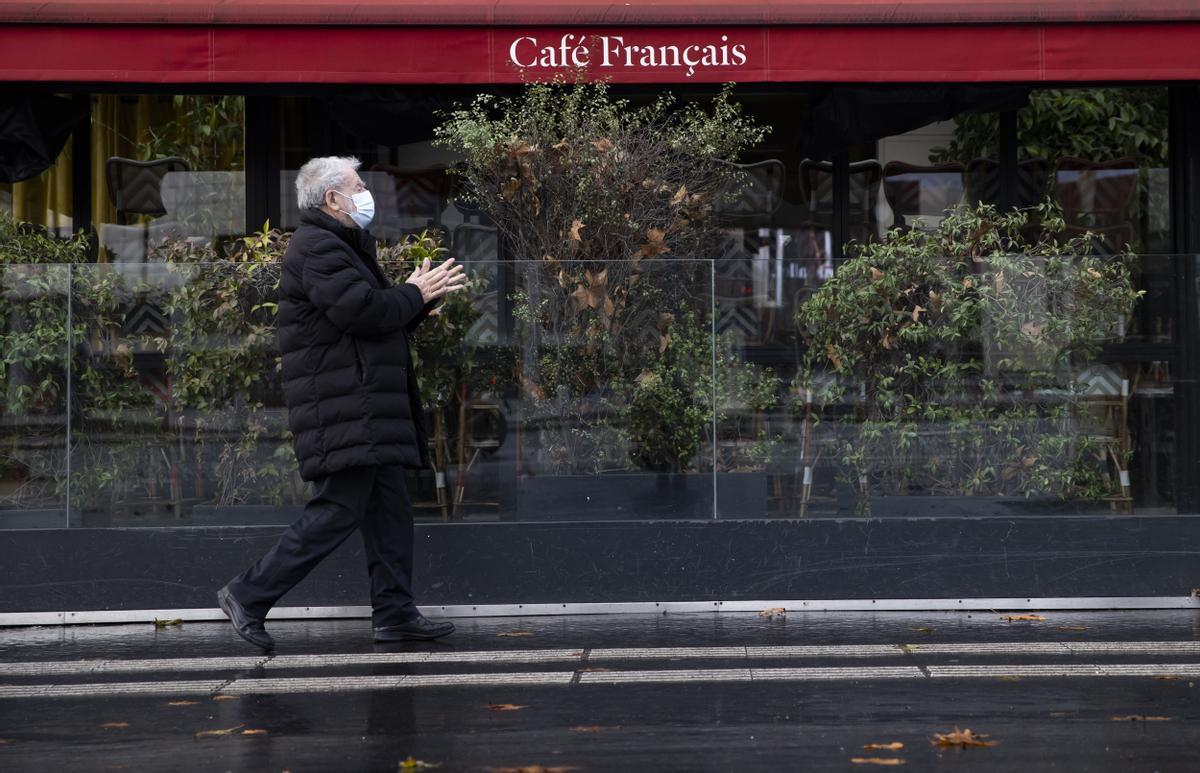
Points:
[(115, 725), (1019, 618), (1094, 273), (655, 243), (254, 731), (226, 698), (1140, 718), (773, 612), (576, 226), (680, 196), (916, 313), (877, 761), (832, 354), (604, 144), (514, 634), (876, 274), (999, 283), (214, 733), (579, 298), (182, 703), (506, 706), (894, 746), (963, 738), (509, 191)]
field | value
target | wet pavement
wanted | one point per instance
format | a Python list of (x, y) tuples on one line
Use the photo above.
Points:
[(687, 692)]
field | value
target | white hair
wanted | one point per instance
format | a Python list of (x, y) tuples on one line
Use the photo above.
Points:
[(319, 175)]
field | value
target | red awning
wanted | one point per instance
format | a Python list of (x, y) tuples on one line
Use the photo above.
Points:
[(380, 54), (591, 12), (663, 41)]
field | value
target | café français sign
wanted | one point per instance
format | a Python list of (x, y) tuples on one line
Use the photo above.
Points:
[(615, 53)]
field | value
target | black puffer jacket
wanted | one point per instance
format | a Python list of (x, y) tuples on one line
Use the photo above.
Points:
[(348, 381)]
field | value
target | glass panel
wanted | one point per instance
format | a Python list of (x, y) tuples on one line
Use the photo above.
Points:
[(33, 396), (946, 387), (167, 167), (178, 414), (613, 414), (601, 408)]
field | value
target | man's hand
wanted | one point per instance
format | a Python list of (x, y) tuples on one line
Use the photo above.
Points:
[(436, 282)]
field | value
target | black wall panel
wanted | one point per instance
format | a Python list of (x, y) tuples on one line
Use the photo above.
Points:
[(896, 558)]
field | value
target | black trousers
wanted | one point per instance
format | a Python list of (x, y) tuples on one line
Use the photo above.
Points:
[(373, 499)]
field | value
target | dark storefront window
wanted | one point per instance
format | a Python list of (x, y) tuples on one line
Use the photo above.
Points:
[(166, 168), (177, 418)]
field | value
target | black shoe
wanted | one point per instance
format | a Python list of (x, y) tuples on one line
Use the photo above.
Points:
[(249, 628), (417, 628)]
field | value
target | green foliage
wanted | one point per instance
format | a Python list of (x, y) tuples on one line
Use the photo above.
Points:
[(1100, 124), (190, 413), (207, 133), (441, 356), (950, 359)]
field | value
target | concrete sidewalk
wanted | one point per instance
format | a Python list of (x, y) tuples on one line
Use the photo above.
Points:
[(1073, 691)]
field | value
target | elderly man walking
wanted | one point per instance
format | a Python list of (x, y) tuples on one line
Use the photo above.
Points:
[(353, 406)]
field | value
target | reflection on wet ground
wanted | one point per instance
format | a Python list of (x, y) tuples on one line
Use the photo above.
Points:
[(1072, 691)]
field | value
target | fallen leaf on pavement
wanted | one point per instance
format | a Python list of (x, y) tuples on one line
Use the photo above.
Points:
[(1140, 718), (773, 612), (254, 731), (115, 725), (922, 630), (961, 738), (514, 634), (182, 703), (1169, 678), (1031, 618), (506, 707), (414, 764), (894, 746), (226, 698), (211, 733), (164, 623), (877, 760)]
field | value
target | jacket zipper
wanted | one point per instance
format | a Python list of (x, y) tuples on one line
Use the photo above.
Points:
[(358, 361)]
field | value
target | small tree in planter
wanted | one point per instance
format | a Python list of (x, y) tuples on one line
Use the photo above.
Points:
[(593, 194), (443, 359), (955, 357)]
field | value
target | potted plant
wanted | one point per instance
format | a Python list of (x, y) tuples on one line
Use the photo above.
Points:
[(609, 210), (946, 363)]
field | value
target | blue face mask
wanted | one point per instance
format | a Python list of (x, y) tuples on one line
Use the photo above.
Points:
[(364, 208)]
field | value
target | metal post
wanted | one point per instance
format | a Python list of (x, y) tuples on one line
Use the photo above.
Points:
[(1184, 162)]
